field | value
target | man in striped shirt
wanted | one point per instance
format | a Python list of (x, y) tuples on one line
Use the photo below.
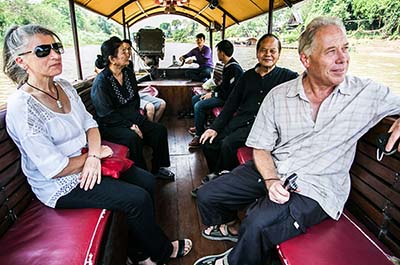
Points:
[(308, 126)]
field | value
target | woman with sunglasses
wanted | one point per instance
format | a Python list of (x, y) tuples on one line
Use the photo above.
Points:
[(50, 125), (116, 100)]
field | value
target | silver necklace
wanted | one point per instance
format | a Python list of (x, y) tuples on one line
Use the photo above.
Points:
[(57, 98)]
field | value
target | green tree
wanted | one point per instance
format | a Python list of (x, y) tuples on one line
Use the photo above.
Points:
[(166, 28), (380, 14)]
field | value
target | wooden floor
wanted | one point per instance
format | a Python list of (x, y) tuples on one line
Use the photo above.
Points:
[(176, 209)]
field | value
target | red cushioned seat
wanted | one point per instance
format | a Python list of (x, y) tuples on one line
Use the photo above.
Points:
[(198, 90), (333, 243), (216, 111), (244, 153), (43, 235)]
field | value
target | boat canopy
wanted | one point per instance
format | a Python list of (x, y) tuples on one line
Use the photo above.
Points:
[(214, 14)]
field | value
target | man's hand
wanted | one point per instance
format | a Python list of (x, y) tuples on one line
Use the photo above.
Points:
[(277, 192), (208, 134), (395, 134), (206, 96)]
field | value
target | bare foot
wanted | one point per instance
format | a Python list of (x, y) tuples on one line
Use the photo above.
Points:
[(233, 227), (225, 230), (175, 251)]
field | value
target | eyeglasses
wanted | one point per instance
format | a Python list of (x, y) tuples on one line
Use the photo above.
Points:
[(44, 50)]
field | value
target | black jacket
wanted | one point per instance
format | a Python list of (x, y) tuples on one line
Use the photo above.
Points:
[(231, 74), (116, 105), (243, 103)]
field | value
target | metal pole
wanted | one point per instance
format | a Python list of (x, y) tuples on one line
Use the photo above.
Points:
[(123, 22), (76, 41), (223, 26), (270, 13), (211, 38)]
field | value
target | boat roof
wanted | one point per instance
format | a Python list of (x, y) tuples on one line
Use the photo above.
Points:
[(204, 12)]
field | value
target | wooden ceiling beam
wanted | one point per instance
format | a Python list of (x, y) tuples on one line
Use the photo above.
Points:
[(288, 3), (129, 21), (228, 14)]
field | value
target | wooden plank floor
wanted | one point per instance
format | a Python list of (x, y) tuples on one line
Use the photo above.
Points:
[(176, 209)]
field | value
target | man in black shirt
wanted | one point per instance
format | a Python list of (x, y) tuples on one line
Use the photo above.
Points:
[(231, 74), (230, 129)]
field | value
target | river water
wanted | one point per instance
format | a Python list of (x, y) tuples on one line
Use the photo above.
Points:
[(377, 59)]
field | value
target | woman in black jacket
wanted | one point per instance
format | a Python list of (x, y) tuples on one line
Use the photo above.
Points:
[(116, 100)]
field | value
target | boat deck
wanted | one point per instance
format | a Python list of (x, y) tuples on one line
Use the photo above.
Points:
[(176, 209)]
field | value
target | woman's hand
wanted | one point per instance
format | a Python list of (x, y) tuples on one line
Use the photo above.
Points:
[(136, 129), (105, 151), (91, 173)]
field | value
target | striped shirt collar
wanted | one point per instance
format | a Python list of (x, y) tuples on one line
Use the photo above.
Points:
[(298, 90)]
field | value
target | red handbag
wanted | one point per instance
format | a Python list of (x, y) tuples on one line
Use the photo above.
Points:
[(112, 166)]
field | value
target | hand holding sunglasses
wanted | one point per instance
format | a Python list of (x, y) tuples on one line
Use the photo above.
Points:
[(44, 50)]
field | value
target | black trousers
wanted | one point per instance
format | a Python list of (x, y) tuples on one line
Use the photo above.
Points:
[(155, 135), (131, 194), (221, 154), (266, 223)]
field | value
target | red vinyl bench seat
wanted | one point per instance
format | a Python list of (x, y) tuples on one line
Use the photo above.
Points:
[(244, 153), (32, 233), (216, 111), (42, 235), (198, 90), (333, 242)]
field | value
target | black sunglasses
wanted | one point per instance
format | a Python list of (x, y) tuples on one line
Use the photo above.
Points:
[(44, 50)]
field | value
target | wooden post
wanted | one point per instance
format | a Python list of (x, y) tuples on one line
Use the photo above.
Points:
[(76, 41)]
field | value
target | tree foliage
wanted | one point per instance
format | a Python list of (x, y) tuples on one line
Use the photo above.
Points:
[(54, 14), (379, 16), (367, 15)]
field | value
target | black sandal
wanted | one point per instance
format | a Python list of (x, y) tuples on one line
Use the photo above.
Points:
[(181, 247), (216, 234), (166, 174)]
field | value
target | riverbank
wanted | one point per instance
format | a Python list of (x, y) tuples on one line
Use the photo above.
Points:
[(376, 46), (371, 58)]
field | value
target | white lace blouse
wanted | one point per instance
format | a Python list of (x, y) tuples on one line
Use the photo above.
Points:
[(47, 139)]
